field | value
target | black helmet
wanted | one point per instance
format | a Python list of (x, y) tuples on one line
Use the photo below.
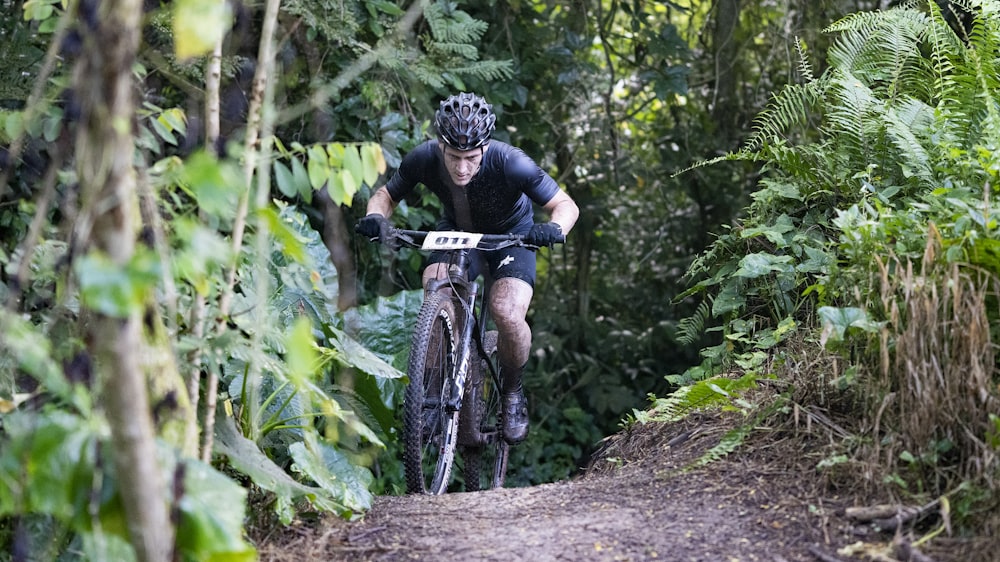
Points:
[(465, 121)]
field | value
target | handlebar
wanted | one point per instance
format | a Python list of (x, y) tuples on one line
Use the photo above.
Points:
[(454, 240)]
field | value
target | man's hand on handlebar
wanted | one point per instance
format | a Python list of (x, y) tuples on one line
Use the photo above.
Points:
[(373, 226), (545, 234)]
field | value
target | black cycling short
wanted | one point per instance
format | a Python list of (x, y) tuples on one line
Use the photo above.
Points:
[(515, 262)]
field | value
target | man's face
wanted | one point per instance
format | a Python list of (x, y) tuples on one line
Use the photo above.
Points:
[(462, 165)]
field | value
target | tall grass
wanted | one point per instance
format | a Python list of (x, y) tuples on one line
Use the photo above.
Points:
[(935, 393)]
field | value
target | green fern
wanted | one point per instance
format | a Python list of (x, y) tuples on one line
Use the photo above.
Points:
[(735, 437), (451, 25), (689, 329), (789, 107), (460, 50), (717, 391), (805, 67), (729, 443), (452, 48), (490, 70)]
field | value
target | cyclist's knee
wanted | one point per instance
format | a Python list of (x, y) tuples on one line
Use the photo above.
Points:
[(509, 298)]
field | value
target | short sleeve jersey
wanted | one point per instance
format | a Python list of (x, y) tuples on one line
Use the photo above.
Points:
[(499, 196)]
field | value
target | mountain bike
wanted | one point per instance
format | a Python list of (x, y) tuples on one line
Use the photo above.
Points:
[(452, 401)]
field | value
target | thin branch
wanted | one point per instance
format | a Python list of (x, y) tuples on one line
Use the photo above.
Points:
[(213, 81)]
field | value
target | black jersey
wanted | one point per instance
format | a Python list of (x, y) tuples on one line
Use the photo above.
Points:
[(498, 197)]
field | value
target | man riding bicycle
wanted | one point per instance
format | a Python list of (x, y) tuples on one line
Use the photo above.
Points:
[(485, 186)]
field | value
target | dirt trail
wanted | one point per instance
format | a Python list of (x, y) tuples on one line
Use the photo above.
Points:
[(760, 505)]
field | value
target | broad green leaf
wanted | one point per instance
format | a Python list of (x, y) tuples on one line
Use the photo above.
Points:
[(286, 182), (836, 321), (101, 545), (117, 290), (52, 125), (164, 132), (32, 354), (175, 119), (215, 184), (775, 233), (729, 299), (199, 25), (334, 472), (353, 354), (283, 232), (318, 166), (760, 264), (301, 355), (342, 187), (385, 326), (373, 162), (212, 515), (47, 465), (13, 123), (818, 261), (335, 154), (39, 9), (352, 164), (385, 6), (301, 180), (246, 457), (201, 252)]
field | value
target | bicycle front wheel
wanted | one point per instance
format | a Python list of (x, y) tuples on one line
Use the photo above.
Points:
[(430, 424)]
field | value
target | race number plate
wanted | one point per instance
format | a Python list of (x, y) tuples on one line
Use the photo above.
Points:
[(448, 240)]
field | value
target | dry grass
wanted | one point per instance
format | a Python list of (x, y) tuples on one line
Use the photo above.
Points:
[(936, 385)]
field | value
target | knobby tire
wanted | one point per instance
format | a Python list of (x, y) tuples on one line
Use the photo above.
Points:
[(429, 427)]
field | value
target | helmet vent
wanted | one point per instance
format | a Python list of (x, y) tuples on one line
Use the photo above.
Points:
[(465, 121)]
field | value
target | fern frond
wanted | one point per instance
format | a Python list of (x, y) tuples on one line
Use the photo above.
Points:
[(462, 50), (490, 70), (880, 48), (852, 118), (736, 436), (805, 67), (944, 44), (701, 395), (690, 329), (858, 21), (789, 107), (729, 443), (450, 25), (428, 74), (903, 123), (744, 155), (968, 85)]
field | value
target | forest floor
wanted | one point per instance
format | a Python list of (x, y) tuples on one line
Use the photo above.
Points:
[(639, 501)]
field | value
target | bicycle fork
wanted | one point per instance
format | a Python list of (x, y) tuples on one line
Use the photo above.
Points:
[(457, 390)]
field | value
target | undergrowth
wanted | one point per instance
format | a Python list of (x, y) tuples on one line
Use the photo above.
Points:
[(863, 277)]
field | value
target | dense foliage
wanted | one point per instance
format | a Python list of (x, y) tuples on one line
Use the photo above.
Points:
[(866, 177), (876, 234)]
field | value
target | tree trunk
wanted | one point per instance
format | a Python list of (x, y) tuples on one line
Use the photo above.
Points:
[(725, 104), (335, 238), (108, 221)]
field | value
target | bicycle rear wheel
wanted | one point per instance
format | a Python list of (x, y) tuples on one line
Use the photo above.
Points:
[(484, 451), (430, 426)]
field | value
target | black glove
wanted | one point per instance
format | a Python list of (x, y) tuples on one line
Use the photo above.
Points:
[(545, 234), (373, 226)]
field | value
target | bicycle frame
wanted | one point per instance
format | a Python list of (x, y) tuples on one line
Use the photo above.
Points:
[(436, 419), (473, 324)]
